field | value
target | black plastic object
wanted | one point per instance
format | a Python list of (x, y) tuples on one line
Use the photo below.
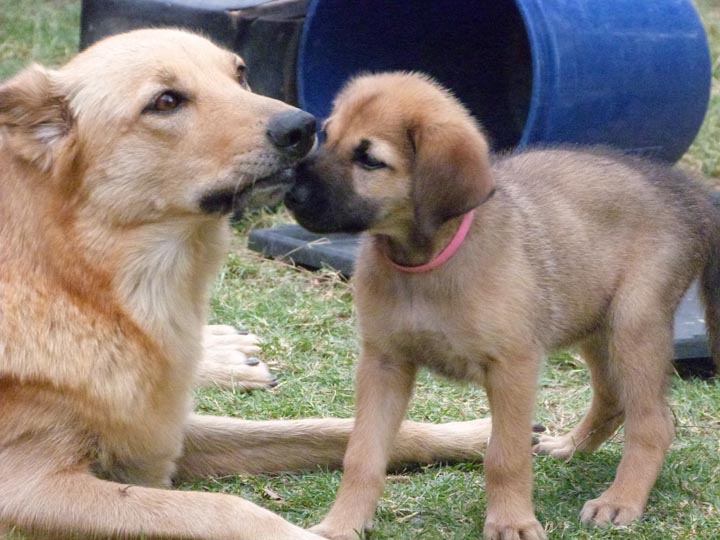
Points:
[(692, 353), (295, 244), (264, 32)]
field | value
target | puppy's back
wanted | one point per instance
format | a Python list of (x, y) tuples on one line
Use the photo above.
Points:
[(591, 218), (599, 190)]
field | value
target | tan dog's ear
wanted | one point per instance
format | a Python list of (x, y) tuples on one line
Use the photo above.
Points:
[(34, 115), (451, 174)]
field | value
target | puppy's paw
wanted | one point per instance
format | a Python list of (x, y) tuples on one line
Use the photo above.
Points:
[(561, 447), (606, 511), (523, 529)]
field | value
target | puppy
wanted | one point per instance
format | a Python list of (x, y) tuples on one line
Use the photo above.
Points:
[(476, 269), (117, 174)]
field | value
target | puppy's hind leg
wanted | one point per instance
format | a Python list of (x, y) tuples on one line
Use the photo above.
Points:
[(605, 415), (641, 351)]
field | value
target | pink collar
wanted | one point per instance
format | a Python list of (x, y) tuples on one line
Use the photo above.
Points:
[(446, 254)]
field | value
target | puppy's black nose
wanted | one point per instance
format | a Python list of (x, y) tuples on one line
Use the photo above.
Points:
[(292, 132)]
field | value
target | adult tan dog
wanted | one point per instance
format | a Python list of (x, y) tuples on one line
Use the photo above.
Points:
[(117, 173), (565, 247)]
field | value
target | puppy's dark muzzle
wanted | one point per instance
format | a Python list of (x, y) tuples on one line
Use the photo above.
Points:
[(323, 200), (292, 132)]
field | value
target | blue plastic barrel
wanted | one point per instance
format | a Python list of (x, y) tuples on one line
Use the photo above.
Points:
[(630, 73)]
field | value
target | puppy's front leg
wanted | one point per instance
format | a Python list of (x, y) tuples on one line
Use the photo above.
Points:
[(508, 465), (383, 389)]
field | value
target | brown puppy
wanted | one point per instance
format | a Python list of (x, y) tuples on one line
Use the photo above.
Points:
[(117, 173), (574, 247)]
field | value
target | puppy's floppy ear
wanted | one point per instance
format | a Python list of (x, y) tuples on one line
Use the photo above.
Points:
[(451, 173), (35, 116)]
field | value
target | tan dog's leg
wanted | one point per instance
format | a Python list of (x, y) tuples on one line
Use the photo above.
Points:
[(605, 414), (38, 492), (511, 388), (227, 361), (383, 391), (641, 351), (216, 446)]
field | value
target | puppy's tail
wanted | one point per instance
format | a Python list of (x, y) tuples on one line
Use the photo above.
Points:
[(710, 287)]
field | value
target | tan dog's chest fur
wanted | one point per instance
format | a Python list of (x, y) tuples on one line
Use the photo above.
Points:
[(112, 371)]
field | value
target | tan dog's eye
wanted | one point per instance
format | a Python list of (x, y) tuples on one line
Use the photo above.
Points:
[(168, 101)]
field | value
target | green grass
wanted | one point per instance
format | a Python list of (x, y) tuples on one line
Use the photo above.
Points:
[(704, 154), (37, 31), (306, 321)]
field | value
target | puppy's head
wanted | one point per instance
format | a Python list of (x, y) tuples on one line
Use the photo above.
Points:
[(151, 124), (402, 156)]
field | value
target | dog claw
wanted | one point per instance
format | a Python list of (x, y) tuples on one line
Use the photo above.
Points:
[(531, 530), (229, 360), (605, 513)]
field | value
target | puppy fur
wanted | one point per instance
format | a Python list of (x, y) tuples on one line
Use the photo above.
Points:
[(117, 173), (583, 247)]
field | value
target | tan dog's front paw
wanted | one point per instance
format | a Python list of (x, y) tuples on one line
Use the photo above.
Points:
[(605, 511), (226, 364), (332, 533), (528, 529), (222, 336)]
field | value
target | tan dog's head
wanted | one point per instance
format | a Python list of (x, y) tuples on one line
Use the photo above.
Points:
[(402, 157), (151, 124)]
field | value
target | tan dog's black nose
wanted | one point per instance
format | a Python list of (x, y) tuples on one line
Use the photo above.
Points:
[(292, 132)]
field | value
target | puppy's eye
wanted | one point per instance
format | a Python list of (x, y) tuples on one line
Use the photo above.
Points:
[(368, 162), (166, 102)]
